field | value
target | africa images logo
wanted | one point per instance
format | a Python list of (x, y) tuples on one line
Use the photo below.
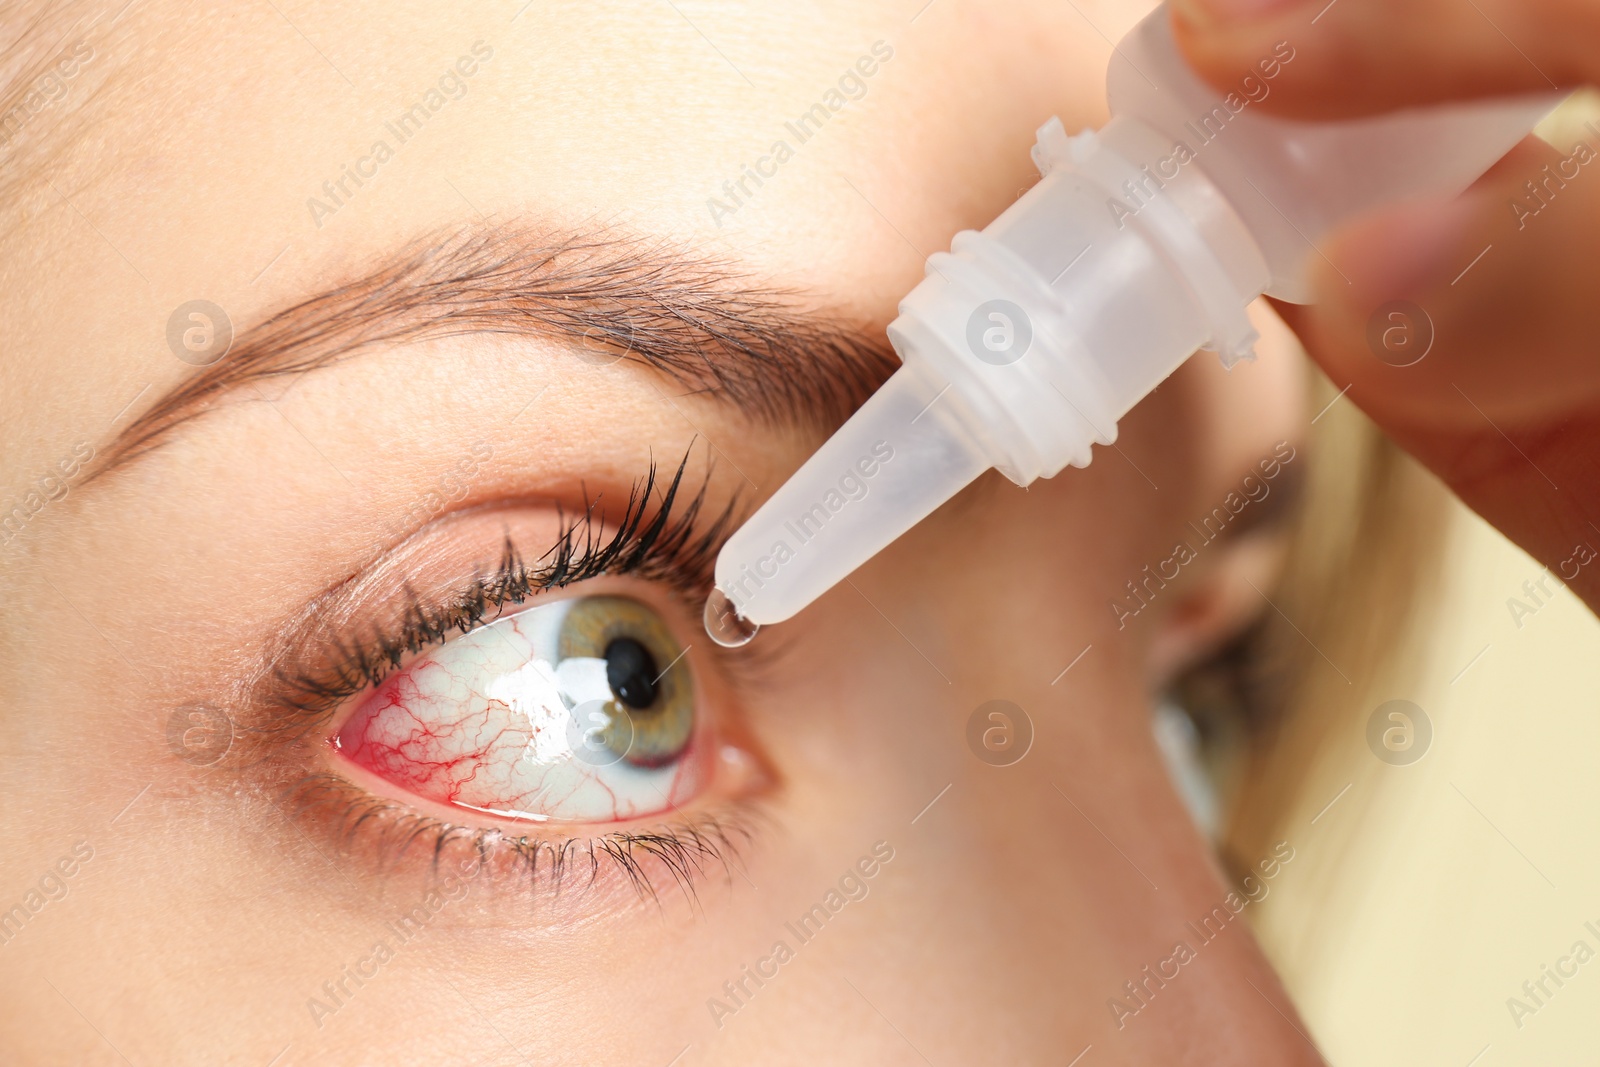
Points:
[(851, 87), (851, 486), (451, 85)]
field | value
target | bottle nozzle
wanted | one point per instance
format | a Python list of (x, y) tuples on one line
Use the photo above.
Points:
[(898, 458)]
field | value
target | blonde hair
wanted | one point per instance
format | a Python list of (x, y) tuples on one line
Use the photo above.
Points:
[(1364, 559)]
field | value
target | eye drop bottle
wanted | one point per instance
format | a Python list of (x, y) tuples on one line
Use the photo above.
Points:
[(1141, 243)]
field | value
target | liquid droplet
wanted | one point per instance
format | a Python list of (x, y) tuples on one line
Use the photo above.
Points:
[(724, 624)]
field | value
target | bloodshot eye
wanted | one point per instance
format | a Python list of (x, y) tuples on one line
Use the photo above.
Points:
[(580, 710)]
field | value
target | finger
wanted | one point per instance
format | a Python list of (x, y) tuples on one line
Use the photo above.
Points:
[(1354, 57), (1488, 368)]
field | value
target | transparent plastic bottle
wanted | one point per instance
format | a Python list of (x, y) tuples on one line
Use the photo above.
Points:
[(1026, 343)]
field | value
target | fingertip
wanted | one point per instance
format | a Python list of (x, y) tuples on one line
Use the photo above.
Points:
[(1217, 14), (1382, 293), (1225, 41), (1498, 291), (1207, 42), (1361, 57)]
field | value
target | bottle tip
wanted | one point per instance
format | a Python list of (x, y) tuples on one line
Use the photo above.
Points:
[(724, 624)]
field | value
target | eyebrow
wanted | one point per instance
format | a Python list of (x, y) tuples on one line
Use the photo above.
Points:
[(701, 320)]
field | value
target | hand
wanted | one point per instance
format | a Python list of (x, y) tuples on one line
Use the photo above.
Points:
[(1505, 407)]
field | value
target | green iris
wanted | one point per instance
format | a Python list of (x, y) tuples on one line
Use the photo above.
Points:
[(652, 705)]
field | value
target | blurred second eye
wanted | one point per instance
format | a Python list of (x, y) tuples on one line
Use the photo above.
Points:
[(581, 710)]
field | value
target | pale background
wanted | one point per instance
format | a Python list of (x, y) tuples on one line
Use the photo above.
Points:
[(1429, 893)]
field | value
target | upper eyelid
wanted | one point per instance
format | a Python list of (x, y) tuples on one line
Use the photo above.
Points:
[(665, 540)]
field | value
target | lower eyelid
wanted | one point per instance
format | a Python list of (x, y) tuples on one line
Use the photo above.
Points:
[(618, 867)]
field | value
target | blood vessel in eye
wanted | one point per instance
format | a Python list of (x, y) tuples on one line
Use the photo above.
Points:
[(488, 723)]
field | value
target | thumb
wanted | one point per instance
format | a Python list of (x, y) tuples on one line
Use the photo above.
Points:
[(1468, 329)]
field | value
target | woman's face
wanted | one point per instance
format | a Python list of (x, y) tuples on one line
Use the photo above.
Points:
[(278, 789)]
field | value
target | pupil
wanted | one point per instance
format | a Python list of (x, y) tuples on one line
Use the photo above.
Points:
[(631, 672)]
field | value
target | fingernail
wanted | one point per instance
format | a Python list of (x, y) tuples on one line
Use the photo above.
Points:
[(1403, 251), (1205, 12)]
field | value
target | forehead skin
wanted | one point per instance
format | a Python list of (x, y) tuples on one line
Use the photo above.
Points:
[(206, 138)]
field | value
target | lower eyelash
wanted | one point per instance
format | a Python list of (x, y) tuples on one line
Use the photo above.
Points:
[(677, 852)]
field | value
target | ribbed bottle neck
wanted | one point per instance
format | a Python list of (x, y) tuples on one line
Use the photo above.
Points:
[(1104, 275)]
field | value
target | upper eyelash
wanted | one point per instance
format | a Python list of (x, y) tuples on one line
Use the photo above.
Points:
[(672, 546)]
